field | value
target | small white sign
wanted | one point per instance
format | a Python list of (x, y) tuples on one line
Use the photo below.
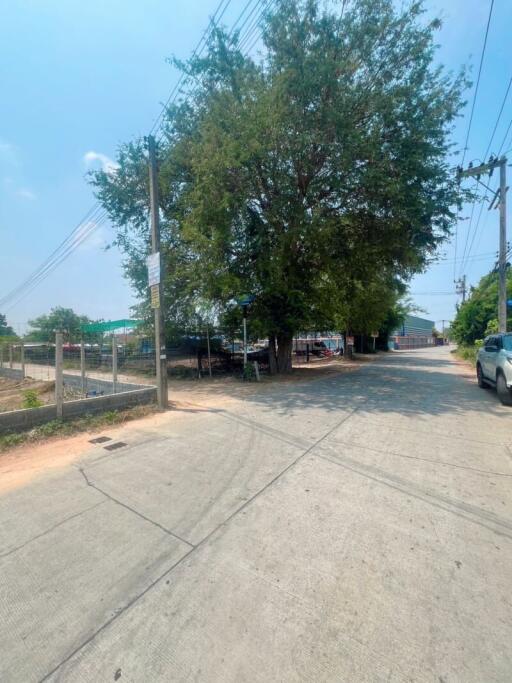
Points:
[(153, 264)]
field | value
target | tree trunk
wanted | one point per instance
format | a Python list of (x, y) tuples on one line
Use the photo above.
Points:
[(272, 360), (284, 353)]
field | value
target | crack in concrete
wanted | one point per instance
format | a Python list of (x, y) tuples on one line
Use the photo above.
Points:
[(465, 510), (135, 512), (417, 457), (202, 542), (55, 526)]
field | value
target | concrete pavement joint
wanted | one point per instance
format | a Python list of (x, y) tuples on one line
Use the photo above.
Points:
[(466, 511), (135, 512), (275, 433), (458, 438), (52, 528), (192, 548), (417, 457)]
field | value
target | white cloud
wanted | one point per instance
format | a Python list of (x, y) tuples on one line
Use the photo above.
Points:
[(107, 164), (25, 193), (9, 154), (5, 147)]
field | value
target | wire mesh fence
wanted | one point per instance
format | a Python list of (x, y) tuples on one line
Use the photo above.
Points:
[(117, 362), (28, 370)]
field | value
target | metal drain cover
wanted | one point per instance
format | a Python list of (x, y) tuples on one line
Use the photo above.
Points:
[(115, 446), (100, 439)]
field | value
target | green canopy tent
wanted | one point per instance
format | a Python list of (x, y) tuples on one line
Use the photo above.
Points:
[(111, 326)]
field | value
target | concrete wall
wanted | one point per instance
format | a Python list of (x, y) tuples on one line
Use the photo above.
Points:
[(100, 386), (11, 373), (18, 420)]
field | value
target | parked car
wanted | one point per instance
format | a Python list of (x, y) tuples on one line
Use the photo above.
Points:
[(317, 347), (494, 365)]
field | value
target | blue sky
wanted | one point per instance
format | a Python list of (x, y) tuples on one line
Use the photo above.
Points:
[(77, 78)]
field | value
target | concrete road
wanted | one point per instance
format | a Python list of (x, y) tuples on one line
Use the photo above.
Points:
[(355, 528)]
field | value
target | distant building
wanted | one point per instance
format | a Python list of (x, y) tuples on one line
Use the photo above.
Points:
[(414, 333)]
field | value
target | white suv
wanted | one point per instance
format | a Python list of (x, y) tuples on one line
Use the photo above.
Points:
[(494, 365)]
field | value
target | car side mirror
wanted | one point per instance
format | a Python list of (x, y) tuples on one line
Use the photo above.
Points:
[(491, 348)]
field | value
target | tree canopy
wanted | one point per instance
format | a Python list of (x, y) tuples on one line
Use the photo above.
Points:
[(315, 178), (59, 319), (478, 315), (5, 329)]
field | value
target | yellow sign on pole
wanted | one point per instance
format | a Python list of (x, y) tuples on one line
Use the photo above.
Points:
[(155, 296)]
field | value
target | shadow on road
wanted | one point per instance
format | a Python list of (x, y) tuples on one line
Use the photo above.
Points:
[(406, 384)]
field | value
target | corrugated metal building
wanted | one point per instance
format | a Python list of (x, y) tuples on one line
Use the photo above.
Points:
[(414, 333)]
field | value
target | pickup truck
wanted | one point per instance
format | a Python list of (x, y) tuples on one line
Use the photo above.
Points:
[(494, 365)]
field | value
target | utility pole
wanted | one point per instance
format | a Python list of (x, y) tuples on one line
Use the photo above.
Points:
[(157, 289), (460, 287), (502, 298), (501, 196), (59, 380)]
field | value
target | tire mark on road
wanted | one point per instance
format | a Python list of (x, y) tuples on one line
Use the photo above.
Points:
[(466, 511)]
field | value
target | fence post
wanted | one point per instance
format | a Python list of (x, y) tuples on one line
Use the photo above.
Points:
[(209, 354), (59, 387), (257, 370), (22, 359), (1, 356), (82, 366), (10, 356), (114, 364)]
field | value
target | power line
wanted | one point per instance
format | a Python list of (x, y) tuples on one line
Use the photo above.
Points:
[(239, 26), (472, 113), (477, 82), (433, 293), (78, 234), (197, 51), (37, 278), (498, 120), (95, 216)]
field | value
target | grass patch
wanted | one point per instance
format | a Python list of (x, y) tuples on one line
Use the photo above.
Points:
[(31, 399), (467, 353), (61, 428)]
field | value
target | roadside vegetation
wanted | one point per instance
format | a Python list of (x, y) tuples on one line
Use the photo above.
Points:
[(477, 316), (278, 176), (61, 428), (468, 353)]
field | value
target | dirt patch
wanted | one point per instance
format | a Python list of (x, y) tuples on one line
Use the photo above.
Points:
[(24, 462), (13, 392)]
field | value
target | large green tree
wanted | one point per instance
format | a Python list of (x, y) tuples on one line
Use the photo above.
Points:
[(478, 315), (315, 178), (5, 329), (60, 319)]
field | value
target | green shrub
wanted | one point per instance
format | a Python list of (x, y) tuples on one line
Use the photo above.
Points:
[(249, 373), (110, 417), (9, 440), (50, 428), (468, 353), (31, 399)]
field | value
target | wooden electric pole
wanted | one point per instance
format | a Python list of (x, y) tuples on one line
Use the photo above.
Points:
[(157, 299), (460, 287), (501, 195), (502, 269)]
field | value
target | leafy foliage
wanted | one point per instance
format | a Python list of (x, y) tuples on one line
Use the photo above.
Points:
[(31, 399), (5, 329), (477, 317), (61, 319), (315, 179)]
